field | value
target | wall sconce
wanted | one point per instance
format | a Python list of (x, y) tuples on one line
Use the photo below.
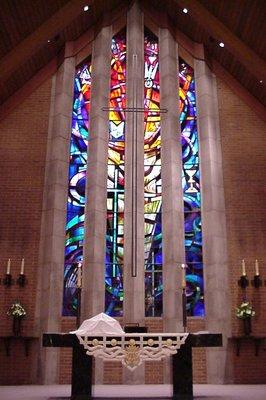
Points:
[(21, 281), (8, 281), (257, 282), (243, 281)]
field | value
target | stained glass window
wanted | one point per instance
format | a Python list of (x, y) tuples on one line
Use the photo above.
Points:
[(76, 187), (115, 181), (191, 190), (152, 179)]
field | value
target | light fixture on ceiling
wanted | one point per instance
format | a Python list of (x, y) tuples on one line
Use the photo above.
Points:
[(48, 41), (185, 10), (221, 44), (261, 81), (86, 8)]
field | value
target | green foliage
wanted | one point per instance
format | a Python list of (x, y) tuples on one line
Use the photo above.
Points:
[(17, 310), (245, 310)]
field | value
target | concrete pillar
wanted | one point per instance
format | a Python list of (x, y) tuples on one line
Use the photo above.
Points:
[(134, 309), (134, 175), (217, 294), (52, 242), (172, 210), (93, 293)]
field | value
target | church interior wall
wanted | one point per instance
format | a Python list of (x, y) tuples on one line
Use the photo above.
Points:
[(244, 149), (23, 152)]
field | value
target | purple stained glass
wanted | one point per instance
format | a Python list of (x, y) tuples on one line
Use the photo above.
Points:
[(76, 187), (191, 191), (152, 179)]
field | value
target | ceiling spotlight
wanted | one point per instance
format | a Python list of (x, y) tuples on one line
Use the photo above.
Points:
[(261, 81), (221, 44), (86, 8), (48, 41), (185, 10)]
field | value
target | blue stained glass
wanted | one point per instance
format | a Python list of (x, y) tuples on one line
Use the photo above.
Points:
[(76, 188), (152, 180), (191, 191)]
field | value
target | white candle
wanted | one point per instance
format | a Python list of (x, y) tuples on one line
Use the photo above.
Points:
[(79, 276), (22, 267), (183, 266), (243, 268), (257, 272), (8, 267)]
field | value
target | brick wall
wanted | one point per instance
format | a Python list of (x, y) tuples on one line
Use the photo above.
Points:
[(22, 161), (244, 156), (154, 369), (23, 145)]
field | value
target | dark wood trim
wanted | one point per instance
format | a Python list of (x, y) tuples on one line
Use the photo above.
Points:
[(247, 57), (24, 50)]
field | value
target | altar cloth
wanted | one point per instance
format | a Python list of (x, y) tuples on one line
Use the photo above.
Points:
[(100, 324)]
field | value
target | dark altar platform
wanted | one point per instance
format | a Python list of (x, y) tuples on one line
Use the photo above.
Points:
[(82, 363)]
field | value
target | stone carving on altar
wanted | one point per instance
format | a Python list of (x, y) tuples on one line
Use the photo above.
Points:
[(103, 337)]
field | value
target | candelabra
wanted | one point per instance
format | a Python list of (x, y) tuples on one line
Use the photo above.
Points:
[(21, 280), (243, 282)]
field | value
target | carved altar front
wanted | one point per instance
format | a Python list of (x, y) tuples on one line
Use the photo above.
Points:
[(133, 348)]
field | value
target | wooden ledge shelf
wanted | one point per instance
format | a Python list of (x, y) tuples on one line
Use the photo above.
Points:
[(239, 340), (25, 340)]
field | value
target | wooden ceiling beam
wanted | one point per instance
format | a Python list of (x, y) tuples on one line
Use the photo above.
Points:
[(245, 55), (49, 29)]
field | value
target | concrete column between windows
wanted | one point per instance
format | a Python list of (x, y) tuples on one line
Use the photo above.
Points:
[(93, 282), (172, 210), (52, 241), (217, 295), (134, 183)]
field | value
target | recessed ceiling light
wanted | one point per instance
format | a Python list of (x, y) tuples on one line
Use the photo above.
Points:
[(261, 81), (221, 44), (86, 8), (185, 10), (48, 41)]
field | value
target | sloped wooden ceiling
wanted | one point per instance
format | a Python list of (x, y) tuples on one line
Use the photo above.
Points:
[(28, 20)]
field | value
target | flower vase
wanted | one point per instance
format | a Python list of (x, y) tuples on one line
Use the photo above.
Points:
[(247, 326), (16, 326)]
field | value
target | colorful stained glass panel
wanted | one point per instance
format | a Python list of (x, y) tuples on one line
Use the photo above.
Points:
[(152, 179), (116, 180), (76, 187), (191, 191)]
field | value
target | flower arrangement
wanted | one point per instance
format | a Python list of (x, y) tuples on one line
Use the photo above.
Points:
[(17, 310), (245, 310)]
